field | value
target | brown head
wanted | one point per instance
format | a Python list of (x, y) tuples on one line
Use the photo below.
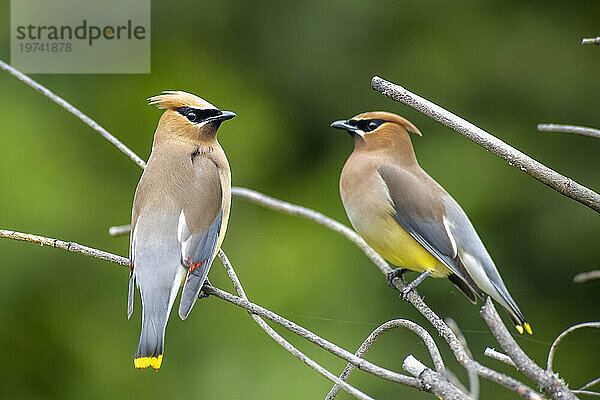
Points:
[(381, 132), (187, 117)]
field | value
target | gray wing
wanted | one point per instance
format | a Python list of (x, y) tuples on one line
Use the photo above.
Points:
[(419, 209), (197, 253)]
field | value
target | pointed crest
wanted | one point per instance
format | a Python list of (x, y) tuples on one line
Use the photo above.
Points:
[(178, 98), (388, 116)]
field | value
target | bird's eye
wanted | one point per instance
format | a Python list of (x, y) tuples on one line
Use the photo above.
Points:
[(372, 125), (192, 117)]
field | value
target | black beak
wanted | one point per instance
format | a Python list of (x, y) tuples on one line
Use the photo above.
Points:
[(224, 116), (343, 124)]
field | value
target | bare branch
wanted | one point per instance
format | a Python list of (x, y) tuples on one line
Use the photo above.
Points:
[(432, 379), (284, 343), (376, 334), (562, 184), (550, 383), (561, 337), (70, 108), (586, 393), (119, 230), (69, 246), (473, 377), (586, 276), (590, 384), (595, 40), (577, 130), (492, 353)]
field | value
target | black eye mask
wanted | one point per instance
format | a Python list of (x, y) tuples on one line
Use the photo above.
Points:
[(196, 115), (366, 125)]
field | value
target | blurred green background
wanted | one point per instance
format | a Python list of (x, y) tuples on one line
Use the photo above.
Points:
[(288, 69)]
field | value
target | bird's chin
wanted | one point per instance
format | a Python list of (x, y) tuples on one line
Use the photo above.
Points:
[(356, 136)]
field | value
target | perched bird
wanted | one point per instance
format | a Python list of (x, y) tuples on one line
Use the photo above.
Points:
[(407, 217), (179, 216)]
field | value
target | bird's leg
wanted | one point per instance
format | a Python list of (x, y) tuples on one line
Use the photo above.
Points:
[(397, 273), (411, 286), (203, 294)]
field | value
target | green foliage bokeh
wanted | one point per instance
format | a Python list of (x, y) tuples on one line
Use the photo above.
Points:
[(288, 69)]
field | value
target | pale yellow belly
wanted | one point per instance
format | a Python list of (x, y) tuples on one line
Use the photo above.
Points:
[(394, 244)]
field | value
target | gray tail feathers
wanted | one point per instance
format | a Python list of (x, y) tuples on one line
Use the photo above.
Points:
[(511, 307), (152, 338), (513, 311)]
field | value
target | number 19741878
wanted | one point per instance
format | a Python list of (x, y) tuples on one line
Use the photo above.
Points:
[(38, 47)]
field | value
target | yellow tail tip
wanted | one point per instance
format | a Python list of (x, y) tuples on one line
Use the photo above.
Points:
[(519, 328), (528, 328), (145, 362)]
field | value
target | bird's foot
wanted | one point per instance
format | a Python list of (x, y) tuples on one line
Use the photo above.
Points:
[(203, 294), (411, 286), (397, 273)]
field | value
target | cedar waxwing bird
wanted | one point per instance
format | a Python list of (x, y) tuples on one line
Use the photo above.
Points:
[(179, 216), (408, 218)]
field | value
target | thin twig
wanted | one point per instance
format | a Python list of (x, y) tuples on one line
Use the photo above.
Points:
[(586, 392), (595, 40), (68, 246), (562, 336), (562, 184), (577, 130), (583, 277), (376, 334), (284, 343), (472, 374), (492, 353), (73, 110), (119, 230), (550, 383), (590, 384)]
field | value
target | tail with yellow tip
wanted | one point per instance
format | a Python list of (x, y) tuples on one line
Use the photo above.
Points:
[(152, 338), (526, 326), (515, 314)]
